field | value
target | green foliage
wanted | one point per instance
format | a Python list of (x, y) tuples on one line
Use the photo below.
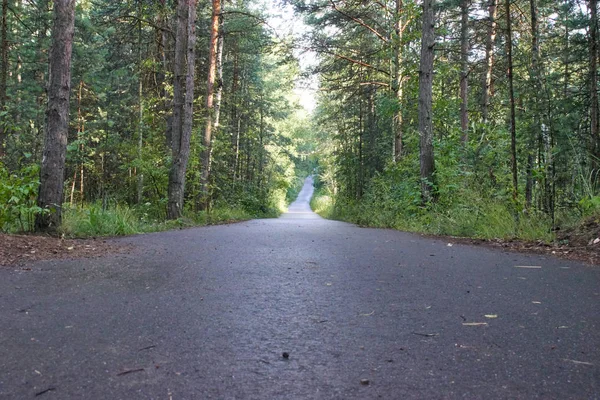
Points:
[(590, 205), (92, 220), (465, 205), (322, 204), (18, 195), (294, 189)]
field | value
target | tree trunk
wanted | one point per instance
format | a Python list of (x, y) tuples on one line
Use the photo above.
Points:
[(398, 82), (235, 118), (41, 69), (593, 6), (511, 94), (566, 59), (3, 72), (425, 102), (536, 128), (50, 196), (183, 109), (489, 59), (219, 61), (80, 133), (204, 200), (464, 70), (140, 177)]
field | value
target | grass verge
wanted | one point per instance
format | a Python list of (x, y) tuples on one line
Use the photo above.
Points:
[(92, 221), (481, 221)]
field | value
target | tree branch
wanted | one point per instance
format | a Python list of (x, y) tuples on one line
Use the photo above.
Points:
[(359, 21)]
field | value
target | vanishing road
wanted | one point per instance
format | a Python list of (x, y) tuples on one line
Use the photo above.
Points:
[(208, 313)]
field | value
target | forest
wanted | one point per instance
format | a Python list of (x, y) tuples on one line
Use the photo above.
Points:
[(475, 118)]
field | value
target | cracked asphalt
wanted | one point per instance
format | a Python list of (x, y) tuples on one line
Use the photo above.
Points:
[(207, 313)]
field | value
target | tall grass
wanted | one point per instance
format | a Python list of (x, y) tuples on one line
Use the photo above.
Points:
[(92, 221), (486, 220)]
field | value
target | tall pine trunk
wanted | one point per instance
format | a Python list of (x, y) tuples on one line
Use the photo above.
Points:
[(489, 59), (183, 105), (464, 70), (397, 83), (219, 78), (511, 95), (594, 127), (56, 130), (536, 128), (3, 71), (140, 125), (425, 102), (204, 200), (236, 119)]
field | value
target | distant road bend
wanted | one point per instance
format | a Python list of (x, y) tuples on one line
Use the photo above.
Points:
[(300, 308)]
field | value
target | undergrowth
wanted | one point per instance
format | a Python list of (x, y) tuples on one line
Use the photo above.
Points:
[(484, 221), (92, 220), (467, 204)]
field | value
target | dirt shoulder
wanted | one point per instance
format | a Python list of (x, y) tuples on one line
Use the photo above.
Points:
[(589, 254), (581, 244), (21, 249)]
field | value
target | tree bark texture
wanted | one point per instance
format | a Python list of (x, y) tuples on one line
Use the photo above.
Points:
[(236, 119), (464, 70), (489, 59), (536, 128), (204, 200), (398, 81), (594, 127), (183, 104), (511, 95), (140, 127), (3, 71), (219, 78), (56, 129), (425, 102)]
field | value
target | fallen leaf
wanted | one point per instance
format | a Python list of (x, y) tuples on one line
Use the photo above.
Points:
[(45, 391), (130, 371), (578, 362), (425, 334), (368, 315)]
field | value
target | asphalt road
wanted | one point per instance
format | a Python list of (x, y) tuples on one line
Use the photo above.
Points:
[(362, 313)]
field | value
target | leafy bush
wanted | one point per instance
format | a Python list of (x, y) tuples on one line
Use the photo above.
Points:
[(18, 199)]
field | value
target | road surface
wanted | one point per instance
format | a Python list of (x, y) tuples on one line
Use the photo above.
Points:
[(360, 313)]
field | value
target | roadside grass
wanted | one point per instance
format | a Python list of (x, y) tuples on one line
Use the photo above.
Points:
[(92, 220), (485, 220)]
